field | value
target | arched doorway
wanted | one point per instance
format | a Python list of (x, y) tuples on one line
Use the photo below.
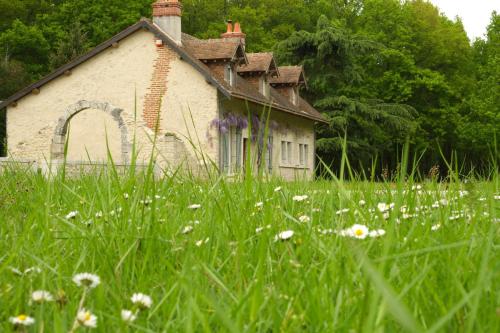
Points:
[(95, 127)]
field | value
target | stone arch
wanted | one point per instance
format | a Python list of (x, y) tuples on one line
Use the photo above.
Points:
[(59, 138)]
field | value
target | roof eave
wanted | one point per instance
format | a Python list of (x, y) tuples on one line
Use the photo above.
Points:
[(272, 104)]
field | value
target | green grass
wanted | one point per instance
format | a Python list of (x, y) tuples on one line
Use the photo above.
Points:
[(412, 279)]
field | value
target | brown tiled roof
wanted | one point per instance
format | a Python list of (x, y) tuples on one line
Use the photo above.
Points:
[(214, 49), (259, 62), (242, 90), (289, 75)]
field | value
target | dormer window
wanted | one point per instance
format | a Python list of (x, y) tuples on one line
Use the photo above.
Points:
[(229, 74)]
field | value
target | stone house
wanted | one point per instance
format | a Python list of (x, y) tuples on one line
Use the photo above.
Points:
[(157, 91)]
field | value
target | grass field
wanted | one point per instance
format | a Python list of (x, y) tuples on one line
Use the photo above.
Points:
[(213, 256)]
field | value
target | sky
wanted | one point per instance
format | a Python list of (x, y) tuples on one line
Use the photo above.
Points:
[(475, 14)]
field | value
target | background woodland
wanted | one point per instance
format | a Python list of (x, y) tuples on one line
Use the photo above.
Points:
[(382, 71)]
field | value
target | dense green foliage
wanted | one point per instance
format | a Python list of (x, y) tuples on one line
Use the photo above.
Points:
[(380, 70), (219, 268)]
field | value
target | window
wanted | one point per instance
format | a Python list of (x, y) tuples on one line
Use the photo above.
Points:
[(286, 152), (303, 155), (229, 74), (232, 150)]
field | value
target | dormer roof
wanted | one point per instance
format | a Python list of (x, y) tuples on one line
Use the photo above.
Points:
[(215, 50), (262, 63), (290, 75)]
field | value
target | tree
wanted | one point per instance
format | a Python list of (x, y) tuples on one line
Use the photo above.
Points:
[(333, 58)]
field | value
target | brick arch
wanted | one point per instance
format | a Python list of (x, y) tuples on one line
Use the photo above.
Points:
[(59, 138)]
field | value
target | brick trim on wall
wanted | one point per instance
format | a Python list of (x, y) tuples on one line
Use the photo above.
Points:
[(157, 87)]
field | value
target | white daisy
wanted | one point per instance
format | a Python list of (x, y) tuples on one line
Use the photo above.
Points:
[(260, 229), (342, 211), (33, 269), (277, 189), (304, 219), (383, 207), (40, 296), (299, 198), (362, 202), (436, 227), (72, 215), (125, 196), (187, 229), (443, 202), (201, 242), (86, 280), (497, 197), (194, 206), (359, 231), (284, 235), (98, 215), (259, 204), (141, 300), (377, 233), (22, 320), (86, 318), (128, 316)]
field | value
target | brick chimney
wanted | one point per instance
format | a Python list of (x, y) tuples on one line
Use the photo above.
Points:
[(234, 33), (167, 15)]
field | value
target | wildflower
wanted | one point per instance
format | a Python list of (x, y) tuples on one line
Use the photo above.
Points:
[(383, 207), (187, 229), (201, 242), (497, 197), (376, 233), (284, 235), (98, 215), (71, 215), (443, 202), (86, 280), (316, 210), (342, 211), (22, 320), (300, 198), (125, 196), (141, 300), (128, 316), (194, 206), (41, 296), (436, 227), (259, 205), (482, 199), (277, 189), (362, 202), (359, 231), (86, 318), (260, 229), (304, 219)]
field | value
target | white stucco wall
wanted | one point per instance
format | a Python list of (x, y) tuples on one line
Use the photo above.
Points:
[(91, 134), (291, 128), (114, 76), (188, 108), (117, 76)]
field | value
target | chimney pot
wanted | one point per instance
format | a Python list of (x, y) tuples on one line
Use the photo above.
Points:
[(229, 27), (237, 28)]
